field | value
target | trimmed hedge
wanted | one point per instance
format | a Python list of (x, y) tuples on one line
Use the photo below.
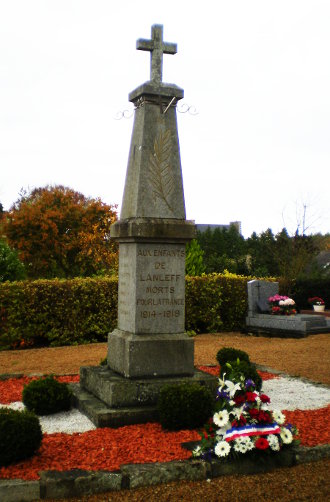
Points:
[(71, 312), (57, 312)]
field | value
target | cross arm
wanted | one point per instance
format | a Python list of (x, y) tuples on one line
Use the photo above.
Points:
[(144, 45)]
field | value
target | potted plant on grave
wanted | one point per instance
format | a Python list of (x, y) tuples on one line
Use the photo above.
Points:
[(282, 305), (318, 303)]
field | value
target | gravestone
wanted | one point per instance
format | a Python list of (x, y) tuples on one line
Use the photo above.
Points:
[(149, 348), (263, 323), (258, 294)]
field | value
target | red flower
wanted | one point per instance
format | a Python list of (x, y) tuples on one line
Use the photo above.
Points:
[(242, 420), (239, 400), (254, 412), (261, 444), (264, 398), (250, 397), (264, 416)]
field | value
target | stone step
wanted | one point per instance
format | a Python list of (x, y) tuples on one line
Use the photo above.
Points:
[(117, 391), (110, 400), (103, 416)]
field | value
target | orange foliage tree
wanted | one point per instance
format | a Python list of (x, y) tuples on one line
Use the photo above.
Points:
[(59, 232)]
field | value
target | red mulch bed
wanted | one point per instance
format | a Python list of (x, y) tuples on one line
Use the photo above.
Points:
[(108, 449)]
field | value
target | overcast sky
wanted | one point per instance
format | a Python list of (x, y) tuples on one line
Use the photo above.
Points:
[(257, 72)]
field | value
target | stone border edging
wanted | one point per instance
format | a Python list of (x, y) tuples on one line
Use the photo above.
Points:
[(76, 483)]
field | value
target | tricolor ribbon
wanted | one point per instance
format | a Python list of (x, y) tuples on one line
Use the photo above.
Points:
[(251, 430)]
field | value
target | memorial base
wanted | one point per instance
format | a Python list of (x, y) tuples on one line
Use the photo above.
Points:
[(111, 400), (156, 355)]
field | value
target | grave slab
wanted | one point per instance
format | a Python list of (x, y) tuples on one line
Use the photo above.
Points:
[(282, 326)]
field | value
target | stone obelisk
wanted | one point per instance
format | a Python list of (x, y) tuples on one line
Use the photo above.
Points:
[(152, 233), (149, 348)]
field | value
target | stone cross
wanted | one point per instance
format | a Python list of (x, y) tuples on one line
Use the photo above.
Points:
[(157, 48)]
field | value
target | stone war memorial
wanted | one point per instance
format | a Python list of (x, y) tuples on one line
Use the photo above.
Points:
[(259, 321), (149, 348)]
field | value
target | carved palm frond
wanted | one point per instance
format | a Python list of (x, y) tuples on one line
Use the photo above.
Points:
[(160, 172)]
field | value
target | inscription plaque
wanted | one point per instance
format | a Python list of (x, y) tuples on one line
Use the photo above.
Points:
[(151, 287)]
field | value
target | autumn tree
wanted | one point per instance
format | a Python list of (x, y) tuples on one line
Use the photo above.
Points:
[(59, 232)]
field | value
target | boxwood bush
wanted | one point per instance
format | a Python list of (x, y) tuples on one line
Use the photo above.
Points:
[(20, 435), (227, 354), (46, 396), (184, 406)]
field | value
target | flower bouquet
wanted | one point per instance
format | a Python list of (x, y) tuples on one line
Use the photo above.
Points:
[(316, 300), (282, 305), (243, 423)]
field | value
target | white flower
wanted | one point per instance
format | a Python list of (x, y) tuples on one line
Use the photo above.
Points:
[(237, 412), (222, 449), (240, 447), (197, 451), (273, 442), (221, 432), (249, 444), (246, 442), (278, 416), (221, 418), (232, 387), (222, 382), (286, 302), (286, 435)]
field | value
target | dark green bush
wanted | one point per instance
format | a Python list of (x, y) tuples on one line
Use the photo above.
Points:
[(238, 368), (20, 435), (46, 396), (184, 406), (227, 354), (303, 289)]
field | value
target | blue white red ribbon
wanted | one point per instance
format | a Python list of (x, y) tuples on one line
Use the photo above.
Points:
[(251, 430)]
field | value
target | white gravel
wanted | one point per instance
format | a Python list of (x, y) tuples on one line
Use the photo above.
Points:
[(66, 421), (285, 393)]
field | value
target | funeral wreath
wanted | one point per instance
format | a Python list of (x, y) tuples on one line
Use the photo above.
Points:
[(243, 423)]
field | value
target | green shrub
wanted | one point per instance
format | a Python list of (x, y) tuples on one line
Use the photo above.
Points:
[(57, 312), (46, 396), (184, 406), (302, 289), (227, 354), (20, 435), (236, 369), (11, 268)]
